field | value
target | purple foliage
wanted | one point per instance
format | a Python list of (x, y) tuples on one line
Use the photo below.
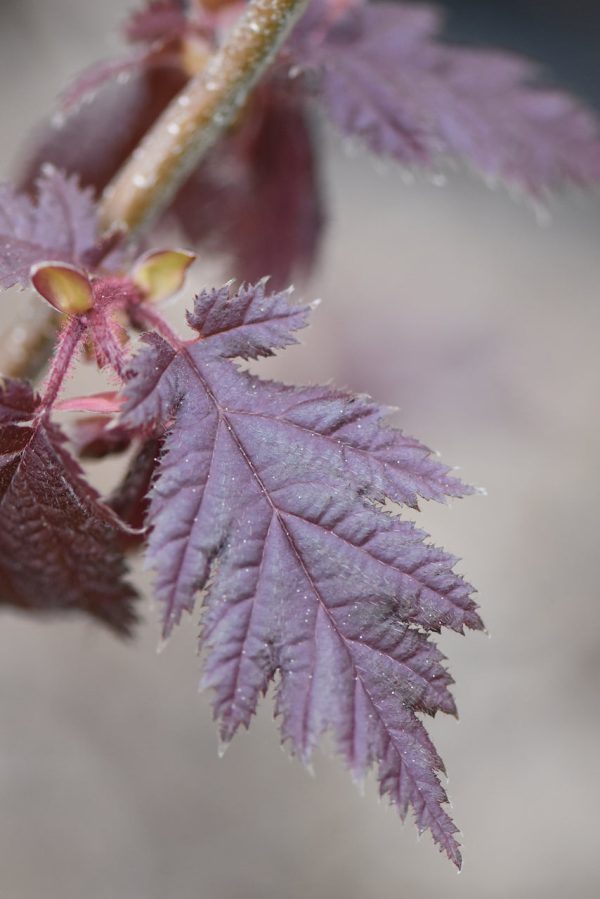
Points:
[(268, 500), (268, 497), (130, 500), (250, 325), (95, 437), (84, 140), (87, 84), (263, 173), (17, 401), (58, 541), (386, 78), (61, 225), (382, 74)]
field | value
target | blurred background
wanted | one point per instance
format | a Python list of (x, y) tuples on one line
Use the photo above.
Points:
[(456, 305)]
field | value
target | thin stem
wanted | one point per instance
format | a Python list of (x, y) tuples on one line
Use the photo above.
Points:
[(193, 121), (68, 343), (145, 315), (113, 351), (185, 131)]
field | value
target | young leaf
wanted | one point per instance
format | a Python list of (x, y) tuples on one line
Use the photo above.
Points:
[(268, 497), (58, 541), (65, 287), (61, 225), (385, 78), (161, 274)]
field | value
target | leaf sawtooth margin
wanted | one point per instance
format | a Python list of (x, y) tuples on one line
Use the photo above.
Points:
[(59, 543), (266, 497), (386, 79), (60, 224)]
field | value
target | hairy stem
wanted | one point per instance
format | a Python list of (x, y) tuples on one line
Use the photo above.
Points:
[(67, 345), (185, 131), (194, 120)]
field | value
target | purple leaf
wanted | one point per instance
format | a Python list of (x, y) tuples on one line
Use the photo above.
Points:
[(158, 20), (386, 79), (265, 170), (58, 541), (18, 402), (94, 438), (267, 497), (86, 85), (130, 499), (251, 325), (60, 226), (85, 142)]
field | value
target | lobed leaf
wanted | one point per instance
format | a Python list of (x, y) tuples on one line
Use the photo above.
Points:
[(267, 497), (386, 79), (58, 541), (251, 325), (61, 225)]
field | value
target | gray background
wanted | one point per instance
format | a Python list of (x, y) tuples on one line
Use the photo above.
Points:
[(457, 306)]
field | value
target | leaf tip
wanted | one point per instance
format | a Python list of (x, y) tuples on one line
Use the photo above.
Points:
[(223, 747)]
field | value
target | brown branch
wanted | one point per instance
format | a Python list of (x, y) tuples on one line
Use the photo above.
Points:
[(194, 120), (169, 152)]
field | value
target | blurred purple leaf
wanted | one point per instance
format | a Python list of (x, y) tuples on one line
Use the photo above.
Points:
[(85, 142), (61, 225), (86, 85), (386, 79)]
